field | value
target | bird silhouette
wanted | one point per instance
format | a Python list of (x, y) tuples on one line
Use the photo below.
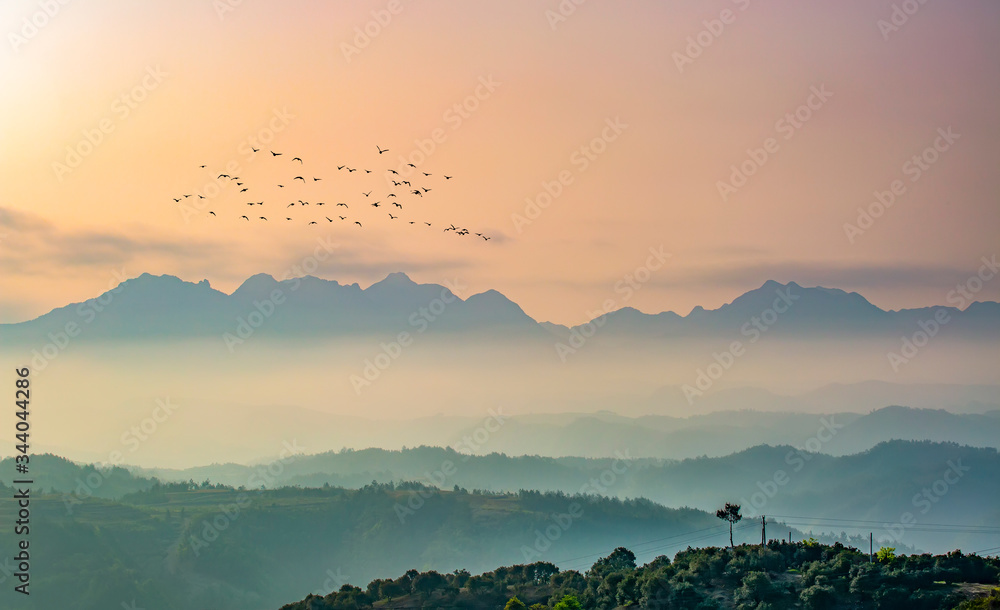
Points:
[(299, 178), (398, 205), (426, 190), (341, 166), (244, 217), (276, 154), (426, 174), (351, 170), (316, 179), (393, 217), (254, 149), (289, 205), (202, 166), (211, 212), (366, 194), (262, 218), (427, 223), (177, 200), (328, 218), (343, 204), (343, 217), (485, 238), (223, 175), (287, 218), (375, 205), (313, 222), (381, 150), (244, 190), (297, 159), (320, 203), (447, 177), (412, 165), (358, 223), (394, 171)]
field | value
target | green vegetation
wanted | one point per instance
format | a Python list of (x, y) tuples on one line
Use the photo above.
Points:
[(747, 577)]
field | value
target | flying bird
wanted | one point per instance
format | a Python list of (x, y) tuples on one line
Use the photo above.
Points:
[(358, 223), (202, 166), (313, 222), (343, 204), (299, 178), (244, 190), (447, 177), (211, 212), (426, 174), (375, 205), (381, 150), (276, 154), (398, 205), (297, 159), (394, 171), (254, 149), (262, 218), (393, 217), (244, 217), (316, 179), (328, 218), (366, 194)]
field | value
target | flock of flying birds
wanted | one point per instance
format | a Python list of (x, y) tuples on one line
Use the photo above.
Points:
[(402, 196)]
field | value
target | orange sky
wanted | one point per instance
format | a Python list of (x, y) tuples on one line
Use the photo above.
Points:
[(198, 83)]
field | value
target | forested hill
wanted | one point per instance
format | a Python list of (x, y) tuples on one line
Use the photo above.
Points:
[(748, 577)]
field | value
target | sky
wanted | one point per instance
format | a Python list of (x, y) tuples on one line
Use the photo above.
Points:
[(739, 138)]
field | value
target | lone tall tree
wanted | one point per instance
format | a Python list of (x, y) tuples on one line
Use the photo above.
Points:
[(730, 513)]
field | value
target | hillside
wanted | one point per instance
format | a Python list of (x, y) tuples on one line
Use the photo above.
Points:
[(778, 575)]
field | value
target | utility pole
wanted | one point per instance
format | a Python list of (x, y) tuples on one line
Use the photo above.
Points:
[(871, 547), (789, 536), (763, 528)]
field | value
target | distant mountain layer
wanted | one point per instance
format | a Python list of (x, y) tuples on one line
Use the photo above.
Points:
[(867, 491), (165, 306)]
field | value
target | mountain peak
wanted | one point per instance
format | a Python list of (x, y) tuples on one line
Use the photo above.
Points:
[(397, 278)]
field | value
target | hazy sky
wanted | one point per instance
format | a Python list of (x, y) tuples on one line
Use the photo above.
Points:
[(200, 78)]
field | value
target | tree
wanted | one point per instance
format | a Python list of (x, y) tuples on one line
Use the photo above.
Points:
[(886, 554), (515, 604), (619, 559), (569, 602), (730, 513)]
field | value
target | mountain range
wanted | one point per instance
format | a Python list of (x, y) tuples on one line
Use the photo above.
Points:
[(166, 306)]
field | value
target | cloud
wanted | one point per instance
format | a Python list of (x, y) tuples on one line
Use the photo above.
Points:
[(36, 246)]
